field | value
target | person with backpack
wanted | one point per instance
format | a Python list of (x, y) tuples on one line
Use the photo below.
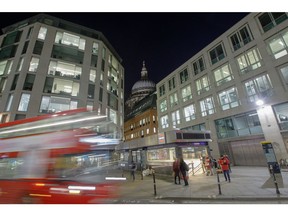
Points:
[(183, 169)]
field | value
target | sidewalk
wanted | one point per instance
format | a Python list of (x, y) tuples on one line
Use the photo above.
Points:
[(246, 183)]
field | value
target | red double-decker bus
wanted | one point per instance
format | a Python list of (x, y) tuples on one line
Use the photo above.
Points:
[(39, 155)]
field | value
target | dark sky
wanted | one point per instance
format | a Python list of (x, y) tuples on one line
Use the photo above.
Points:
[(165, 40)]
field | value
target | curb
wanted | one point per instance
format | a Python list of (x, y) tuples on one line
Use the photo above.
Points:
[(230, 198)]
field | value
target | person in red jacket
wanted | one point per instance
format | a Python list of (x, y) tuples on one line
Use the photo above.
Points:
[(224, 163)]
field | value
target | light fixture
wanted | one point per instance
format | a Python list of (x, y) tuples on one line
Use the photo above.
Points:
[(259, 102)]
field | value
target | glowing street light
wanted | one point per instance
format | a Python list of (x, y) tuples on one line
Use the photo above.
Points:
[(259, 102)]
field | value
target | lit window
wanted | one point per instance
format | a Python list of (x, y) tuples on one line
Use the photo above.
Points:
[(24, 102), (202, 85), (42, 33), (223, 75), (228, 99), (258, 88), (207, 106), (186, 93), (189, 112), (279, 45)]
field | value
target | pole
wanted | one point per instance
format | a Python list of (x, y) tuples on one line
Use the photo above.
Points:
[(154, 182), (275, 181), (193, 169), (218, 182)]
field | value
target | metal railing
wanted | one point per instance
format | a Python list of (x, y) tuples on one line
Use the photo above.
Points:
[(195, 169)]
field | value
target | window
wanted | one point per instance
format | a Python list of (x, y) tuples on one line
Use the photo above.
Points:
[(56, 104), (95, 48), (11, 38), (270, 20), (175, 118), (42, 33), (249, 61), (217, 54), (186, 93), (164, 121), (113, 116), (34, 64), (223, 75), (284, 72), (259, 88), (10, 100), (241, 38), (163, 106), (24, 102), (240, 125), (38, 47), (2, 83), (92, 76), (183, 76), (162, 90), (278, 45), (8, 52), (171, 83), (63, 69), (61, 86), (29, 33), (70, 40), (198, 66), (173, 99), (5, 67), (281, 111), (228, 98), (202, 85), (91, 90), (20, 64), (207, 106), (101, 94), (24, 50), (14, 84), (189, 112), (29, 81)]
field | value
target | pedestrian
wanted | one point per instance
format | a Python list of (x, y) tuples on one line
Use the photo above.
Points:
[(208, 166), (133, 169), (176, 170), (183, 169), (224, 163), (226, 156)]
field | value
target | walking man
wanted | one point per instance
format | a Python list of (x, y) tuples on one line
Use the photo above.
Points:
[(133, 169), (176, 170), (224, 163)]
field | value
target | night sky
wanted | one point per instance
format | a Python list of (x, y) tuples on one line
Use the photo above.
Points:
[(165, 40)]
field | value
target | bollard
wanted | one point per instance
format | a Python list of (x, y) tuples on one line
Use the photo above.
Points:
[(154, 182), (193, 173), (275, 181), (218, 181)]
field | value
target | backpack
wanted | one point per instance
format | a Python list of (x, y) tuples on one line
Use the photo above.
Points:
[(186, 167)]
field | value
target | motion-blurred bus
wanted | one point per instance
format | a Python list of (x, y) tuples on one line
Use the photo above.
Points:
[(40, 159)]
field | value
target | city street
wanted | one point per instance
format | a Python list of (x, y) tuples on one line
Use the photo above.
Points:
[(248, 185)]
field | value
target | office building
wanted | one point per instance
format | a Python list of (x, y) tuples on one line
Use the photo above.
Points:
[(49, 65), (236, 87)]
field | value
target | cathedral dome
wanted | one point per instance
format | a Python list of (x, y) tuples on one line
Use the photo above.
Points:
[(144, 85)]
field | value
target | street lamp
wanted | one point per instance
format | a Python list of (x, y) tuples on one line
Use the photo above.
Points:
[(259, 102)]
